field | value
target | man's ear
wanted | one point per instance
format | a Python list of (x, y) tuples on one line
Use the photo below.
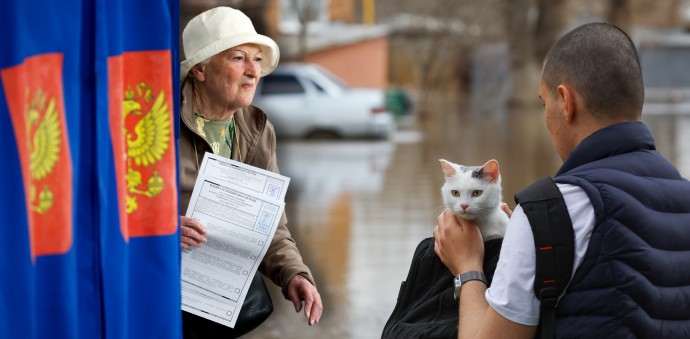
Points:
[(566, 96), (198, 72)]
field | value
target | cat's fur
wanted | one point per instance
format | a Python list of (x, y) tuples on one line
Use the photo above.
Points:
[(474, 193)]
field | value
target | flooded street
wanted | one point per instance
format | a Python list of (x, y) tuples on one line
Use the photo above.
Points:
[(358, 208)]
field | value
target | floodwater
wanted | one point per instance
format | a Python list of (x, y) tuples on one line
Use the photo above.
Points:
[(357, 209)]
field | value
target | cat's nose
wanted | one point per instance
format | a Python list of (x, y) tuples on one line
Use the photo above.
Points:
[(464, 207)]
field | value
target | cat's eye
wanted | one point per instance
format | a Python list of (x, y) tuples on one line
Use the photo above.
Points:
[(455, 193), (476, 193)]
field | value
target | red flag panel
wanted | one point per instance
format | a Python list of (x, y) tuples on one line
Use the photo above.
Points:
[(141, 127), (34, 97)]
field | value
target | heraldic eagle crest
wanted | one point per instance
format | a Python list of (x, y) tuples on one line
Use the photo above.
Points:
[(44, 148), (146, 144)]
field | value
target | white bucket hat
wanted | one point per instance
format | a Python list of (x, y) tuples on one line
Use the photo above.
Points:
[(218, 29)]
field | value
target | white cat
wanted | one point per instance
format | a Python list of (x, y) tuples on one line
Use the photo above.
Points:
[(474, 193)]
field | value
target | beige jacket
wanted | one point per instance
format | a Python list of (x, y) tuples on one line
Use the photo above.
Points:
[(257, 146)]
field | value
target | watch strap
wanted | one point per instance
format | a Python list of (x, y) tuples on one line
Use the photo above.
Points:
[(461, 279)]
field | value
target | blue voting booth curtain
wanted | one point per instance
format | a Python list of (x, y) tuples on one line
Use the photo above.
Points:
[(87, 142)]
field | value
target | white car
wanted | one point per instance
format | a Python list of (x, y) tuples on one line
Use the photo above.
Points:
[(305, 100)]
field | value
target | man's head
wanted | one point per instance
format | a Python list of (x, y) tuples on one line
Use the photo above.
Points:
[(600, 61), (591, 79)]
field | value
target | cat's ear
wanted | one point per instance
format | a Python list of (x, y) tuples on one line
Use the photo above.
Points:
[(448, 168), (490, 170)]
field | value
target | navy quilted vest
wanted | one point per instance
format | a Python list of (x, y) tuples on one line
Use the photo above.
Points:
[(634, 281)]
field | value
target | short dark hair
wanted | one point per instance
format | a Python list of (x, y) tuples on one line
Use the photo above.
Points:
[(600, 61)]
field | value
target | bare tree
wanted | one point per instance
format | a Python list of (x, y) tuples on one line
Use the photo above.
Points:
[(307, 11), (520, 31), (619, 14), (255, 10), (439, 36), (552, 19)]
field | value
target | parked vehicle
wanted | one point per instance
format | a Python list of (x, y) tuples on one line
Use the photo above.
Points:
[(305, 100)]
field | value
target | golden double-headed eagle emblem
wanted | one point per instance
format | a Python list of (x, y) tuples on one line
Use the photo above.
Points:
[(44, 148), (146, 143)]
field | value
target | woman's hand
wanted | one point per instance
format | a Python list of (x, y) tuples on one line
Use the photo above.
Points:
[(300, 289), (192, 232), (458, 243)]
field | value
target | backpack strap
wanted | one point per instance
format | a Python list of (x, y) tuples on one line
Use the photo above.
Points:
[(554, 242)]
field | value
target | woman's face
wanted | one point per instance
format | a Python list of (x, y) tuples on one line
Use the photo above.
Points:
[(230, 77)]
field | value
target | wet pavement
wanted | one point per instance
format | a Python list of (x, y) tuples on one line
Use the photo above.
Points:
[(357, 209)]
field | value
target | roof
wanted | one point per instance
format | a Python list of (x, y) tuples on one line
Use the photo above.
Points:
[(322, 36)]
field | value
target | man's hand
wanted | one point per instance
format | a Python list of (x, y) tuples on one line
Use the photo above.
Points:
[(506, 209), (299, 288), (192, 232), (458, 243)]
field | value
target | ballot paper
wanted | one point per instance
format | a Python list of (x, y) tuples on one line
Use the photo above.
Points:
[(241, 206)]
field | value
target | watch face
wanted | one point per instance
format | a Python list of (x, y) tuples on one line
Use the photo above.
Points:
[(465, 277), (457, 282)]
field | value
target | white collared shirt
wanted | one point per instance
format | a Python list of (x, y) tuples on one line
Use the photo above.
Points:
[(512, 290)]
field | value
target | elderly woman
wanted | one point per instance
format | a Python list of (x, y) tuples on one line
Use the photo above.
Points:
[(225, 59)]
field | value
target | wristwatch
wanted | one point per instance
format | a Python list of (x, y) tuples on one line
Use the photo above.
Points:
[(461, 279)]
